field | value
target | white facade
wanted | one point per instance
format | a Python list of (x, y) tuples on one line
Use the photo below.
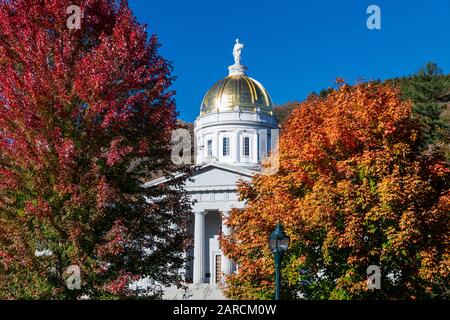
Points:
[(248, 134), (213, 187), (232, 135)]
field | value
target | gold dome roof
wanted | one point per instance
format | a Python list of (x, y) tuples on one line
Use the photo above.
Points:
[(237, 91)]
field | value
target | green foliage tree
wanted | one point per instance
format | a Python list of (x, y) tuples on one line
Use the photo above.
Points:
[(425, 88)]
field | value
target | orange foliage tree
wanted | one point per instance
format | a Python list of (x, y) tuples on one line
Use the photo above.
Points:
[(352, 191)]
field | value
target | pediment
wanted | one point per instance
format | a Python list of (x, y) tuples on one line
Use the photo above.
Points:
[(215, 176), (218, 176)]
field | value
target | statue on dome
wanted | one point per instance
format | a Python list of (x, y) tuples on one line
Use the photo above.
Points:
[(237, 51)]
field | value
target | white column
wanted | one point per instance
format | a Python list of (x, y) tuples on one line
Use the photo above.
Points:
[(227, 264), (216, 146), (237, 149), (255, 147), (199, 247), (219, 146), (262, 144), (198, 150)]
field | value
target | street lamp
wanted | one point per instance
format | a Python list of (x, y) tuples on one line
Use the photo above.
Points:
[(278, 244)]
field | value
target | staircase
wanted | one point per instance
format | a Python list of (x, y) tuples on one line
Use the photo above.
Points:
[(201, 291)]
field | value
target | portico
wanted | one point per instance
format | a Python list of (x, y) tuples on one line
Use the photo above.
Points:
[(210, 264), (213, 187)]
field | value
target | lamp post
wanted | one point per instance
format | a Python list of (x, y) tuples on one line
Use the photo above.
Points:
[(278, 244)]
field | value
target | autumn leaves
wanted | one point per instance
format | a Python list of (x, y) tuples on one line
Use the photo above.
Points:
[(353, 190)]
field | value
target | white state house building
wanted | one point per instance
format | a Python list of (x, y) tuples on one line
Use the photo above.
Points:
[(234, 132)]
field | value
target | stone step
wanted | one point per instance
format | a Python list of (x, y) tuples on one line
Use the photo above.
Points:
[(201, 291)]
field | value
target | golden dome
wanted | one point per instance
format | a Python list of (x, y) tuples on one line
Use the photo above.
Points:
[(237, 91)]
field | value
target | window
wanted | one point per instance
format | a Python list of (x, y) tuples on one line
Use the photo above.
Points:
[(269, 141), (246, 146), (209, 148), (226, 147)]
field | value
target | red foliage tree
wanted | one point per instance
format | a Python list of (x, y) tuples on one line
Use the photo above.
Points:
[(86, 117)]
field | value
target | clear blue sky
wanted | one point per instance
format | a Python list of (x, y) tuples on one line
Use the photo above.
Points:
[(294, 47)]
